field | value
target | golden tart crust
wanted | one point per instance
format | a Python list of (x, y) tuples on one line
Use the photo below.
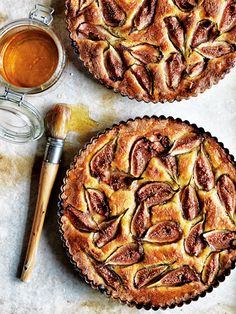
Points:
[(148, 212), (155, 50)]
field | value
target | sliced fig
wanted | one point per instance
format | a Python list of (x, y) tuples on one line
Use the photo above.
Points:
[(211, 9), (203, 175), (143, 150), (228, 20), (143, 77), (112, 13), (111, 278), (174, 68), (94, 32), (211, 268), (179, 277), (107, 232), (189, 203), (186, 5), (141, 221), (227, 194), (193, 243), (126, 255), (195, 64), (146, 53), (145, 14), (84, 4), (160, 143), (101, 161), (120, 180), (97, 202), (140, 155), (216, 49), (175, 32), (220, 239), (147, 275), (80, 220), (196, 68), (164, 232), (154, 193), (205, 31), (185, 144), (114, 64), (171, 163)]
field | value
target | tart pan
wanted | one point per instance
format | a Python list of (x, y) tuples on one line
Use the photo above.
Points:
[(101, 288), (145, 65)]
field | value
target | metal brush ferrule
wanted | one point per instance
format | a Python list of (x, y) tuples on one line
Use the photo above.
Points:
[(53, 150)]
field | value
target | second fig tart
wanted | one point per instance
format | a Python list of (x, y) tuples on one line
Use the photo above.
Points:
[(148, 212), (155, 50)]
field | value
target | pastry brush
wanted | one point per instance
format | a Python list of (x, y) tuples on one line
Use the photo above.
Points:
[(56, 125)]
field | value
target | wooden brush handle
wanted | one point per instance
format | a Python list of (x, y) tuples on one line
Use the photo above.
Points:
[(47, 179)]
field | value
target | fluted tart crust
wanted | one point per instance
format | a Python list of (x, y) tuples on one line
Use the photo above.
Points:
[(155, 50), (148, 212)]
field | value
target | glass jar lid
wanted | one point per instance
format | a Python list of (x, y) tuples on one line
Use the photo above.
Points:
[(20, 122)]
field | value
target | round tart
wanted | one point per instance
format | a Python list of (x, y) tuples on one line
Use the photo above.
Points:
[(148, 212), (155, 50)]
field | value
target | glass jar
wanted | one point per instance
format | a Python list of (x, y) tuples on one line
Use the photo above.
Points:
[(19, 120)]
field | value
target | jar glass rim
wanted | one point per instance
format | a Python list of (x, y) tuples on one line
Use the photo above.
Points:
[(61, 55), (22, 110)]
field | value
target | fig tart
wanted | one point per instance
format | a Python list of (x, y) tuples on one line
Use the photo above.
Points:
[(147, 212), (155, 50)]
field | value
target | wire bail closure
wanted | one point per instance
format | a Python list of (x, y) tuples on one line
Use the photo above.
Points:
[(42, 14), (13, 96)]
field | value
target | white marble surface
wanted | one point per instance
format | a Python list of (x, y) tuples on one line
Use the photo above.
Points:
[(55, 287)]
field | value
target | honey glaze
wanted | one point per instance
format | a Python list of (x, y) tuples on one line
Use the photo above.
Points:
[(29, 58), (80, 120), (82, 127), (82, 124)]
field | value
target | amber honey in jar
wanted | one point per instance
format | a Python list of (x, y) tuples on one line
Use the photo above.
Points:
[(29, 57)]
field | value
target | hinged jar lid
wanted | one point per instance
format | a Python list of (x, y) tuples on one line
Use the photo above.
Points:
[(20, 122)]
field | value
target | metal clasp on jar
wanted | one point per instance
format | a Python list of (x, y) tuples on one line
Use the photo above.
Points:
[(42, 14)]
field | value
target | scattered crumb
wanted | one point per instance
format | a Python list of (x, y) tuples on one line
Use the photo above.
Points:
[(3, 18), (15, 169)]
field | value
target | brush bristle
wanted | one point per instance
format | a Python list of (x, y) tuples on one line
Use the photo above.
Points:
[(57, 121)]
